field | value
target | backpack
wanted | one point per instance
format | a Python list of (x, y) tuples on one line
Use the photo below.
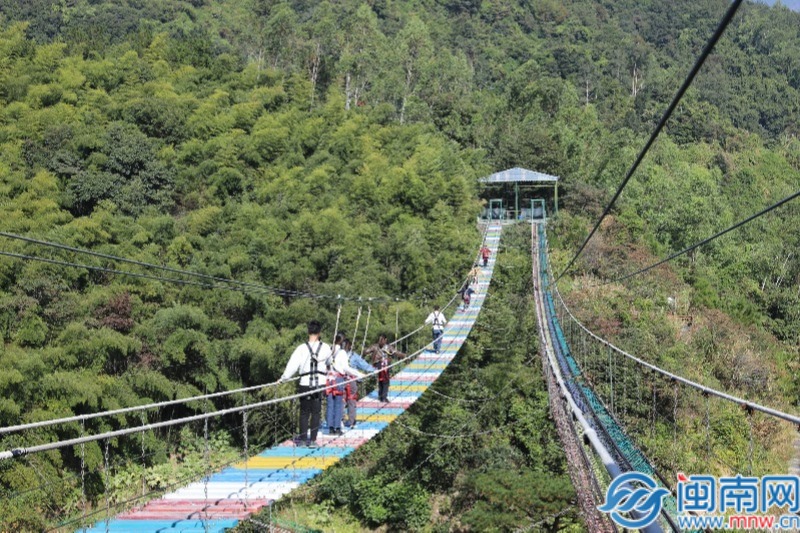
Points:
[(314, 372)]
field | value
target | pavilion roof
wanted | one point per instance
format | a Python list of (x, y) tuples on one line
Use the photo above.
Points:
[(519, 175)]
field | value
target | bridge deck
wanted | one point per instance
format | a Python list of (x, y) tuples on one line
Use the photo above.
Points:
[(233, 494)]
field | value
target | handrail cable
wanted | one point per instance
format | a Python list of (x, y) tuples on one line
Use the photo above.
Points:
[(794, 419), (723, 24), (136, 408), (89, 416), (78, 418), (18, 452), (704, 241)]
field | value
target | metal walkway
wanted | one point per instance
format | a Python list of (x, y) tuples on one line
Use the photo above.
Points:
[(227, 497)]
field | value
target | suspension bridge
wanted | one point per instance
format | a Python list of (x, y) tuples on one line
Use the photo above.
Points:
[(605, 403), (222, 499), (613, 410)]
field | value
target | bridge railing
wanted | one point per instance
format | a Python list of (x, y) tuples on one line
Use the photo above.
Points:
[(682, 426), (75, 469)]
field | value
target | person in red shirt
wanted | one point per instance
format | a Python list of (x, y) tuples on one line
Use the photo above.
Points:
[(485, 254), (380, 354)]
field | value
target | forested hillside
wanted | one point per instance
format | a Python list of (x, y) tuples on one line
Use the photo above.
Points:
[(333, 148)]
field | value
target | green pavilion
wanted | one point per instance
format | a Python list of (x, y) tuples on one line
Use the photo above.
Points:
[(519, 194)]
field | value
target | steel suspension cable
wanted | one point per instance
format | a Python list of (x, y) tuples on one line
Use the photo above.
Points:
[(242, 284), (705, 241), (137, 408), (366, 329), (106, 270), (19, 452), (723, 24), (358, 318)]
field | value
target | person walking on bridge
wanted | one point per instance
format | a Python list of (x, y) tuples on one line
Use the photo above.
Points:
[(351, 389), (485, 252), (339, 371), (308, 360), (437, 320), (473, 275), (380, 353), (466, 293)]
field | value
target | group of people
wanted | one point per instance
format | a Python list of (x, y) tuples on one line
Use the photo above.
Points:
[(339, 368)]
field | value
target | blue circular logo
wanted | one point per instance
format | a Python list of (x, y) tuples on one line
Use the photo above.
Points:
[(637, 494)]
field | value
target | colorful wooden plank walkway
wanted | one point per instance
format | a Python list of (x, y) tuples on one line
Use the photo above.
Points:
[(226, 497)]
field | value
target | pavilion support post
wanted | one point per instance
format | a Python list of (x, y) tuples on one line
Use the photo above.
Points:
[(556, 199)]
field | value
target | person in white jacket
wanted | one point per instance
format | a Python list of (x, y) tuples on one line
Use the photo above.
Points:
[(308, 360), (438, 320), (339, 371)]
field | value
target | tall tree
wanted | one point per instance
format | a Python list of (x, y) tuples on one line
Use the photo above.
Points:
[(362, 42)]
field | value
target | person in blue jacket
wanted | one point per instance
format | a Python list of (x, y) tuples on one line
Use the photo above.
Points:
[(351, 389)]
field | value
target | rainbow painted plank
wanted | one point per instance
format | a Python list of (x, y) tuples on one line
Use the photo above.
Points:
[(227, 497)]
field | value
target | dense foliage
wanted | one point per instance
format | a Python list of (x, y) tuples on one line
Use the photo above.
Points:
[(333, 148)]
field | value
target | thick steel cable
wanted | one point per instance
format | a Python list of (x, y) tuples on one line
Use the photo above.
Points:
[(137, 408), (78, 418), (723, 24), (169, 423), (106, 270), (256, 286), (704, 241), (244, 285), (265, 288), (17, 452)]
